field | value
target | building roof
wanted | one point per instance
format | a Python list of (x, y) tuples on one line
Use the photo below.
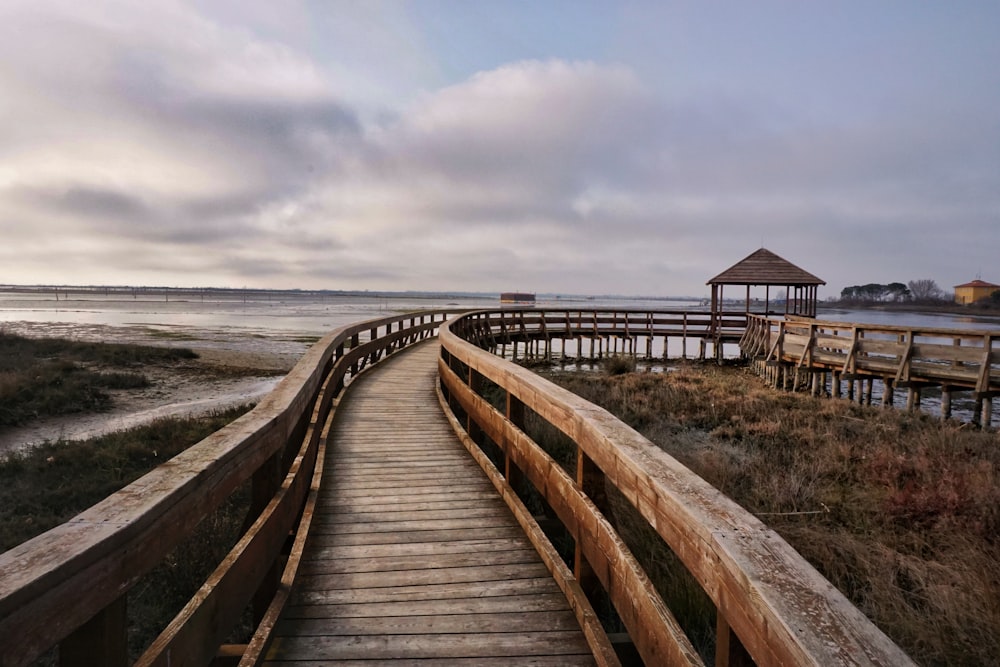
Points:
[(977, 283), (763, 267)]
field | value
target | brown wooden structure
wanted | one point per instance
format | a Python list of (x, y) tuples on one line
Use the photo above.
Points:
[(764, 268), (517, 297), (69, 587), (772, 607), (794, 352), (412, 554), (317, 460)]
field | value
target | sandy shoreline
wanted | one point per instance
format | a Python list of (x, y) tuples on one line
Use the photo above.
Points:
[(233, 367)]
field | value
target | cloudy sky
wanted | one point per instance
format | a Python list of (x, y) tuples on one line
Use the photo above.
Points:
[(573, 147)]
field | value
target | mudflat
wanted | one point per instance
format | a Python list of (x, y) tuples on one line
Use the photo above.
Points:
[(233, 367)]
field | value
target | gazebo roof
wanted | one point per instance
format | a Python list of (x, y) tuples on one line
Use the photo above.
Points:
[(763, 267)]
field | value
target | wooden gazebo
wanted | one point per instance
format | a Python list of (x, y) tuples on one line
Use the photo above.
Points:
[(764, 268)]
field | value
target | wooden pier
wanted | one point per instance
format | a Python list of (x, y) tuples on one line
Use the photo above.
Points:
[(595, 334), (412, 554), (387, 522), (802, 353)]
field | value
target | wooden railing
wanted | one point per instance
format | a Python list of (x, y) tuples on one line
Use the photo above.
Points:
[(599, 332), (68, 587), (785, 350), (771, 604)]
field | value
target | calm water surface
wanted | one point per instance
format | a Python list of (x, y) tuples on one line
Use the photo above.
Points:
[(276, 320)]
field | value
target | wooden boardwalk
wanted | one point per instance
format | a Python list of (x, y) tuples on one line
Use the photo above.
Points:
[(413, 558)]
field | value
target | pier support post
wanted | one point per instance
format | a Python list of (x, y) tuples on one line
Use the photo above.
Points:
[(945, 402), (835, 384), (987, 411), (977, 410), (888, 392)]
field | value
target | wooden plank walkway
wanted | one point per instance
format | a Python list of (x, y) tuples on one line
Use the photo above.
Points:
[(413, 558)]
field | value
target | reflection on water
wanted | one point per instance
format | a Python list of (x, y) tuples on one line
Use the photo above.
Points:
[(318, 315), (912, 320)]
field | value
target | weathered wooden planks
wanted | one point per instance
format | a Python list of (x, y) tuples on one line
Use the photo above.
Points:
[(898, 357), (413, 557), (779, 607)]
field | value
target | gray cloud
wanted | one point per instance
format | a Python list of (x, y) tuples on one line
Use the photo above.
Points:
[(170, 147)]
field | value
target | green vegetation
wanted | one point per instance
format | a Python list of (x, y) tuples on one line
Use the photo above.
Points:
[(900, 511), (50, 376), (875, 292), (923, 291)]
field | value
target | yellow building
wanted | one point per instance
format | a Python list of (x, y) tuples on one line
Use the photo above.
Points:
[(974, 291)]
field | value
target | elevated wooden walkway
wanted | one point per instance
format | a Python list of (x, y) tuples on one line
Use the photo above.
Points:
[(413, 557)]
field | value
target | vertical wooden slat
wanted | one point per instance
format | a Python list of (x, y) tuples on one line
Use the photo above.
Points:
[(729, 651), (100, 641)]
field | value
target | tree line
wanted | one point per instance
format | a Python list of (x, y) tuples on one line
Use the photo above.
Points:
[(923, 290)]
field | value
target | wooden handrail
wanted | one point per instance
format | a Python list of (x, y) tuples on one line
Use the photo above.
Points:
[(959, 358), (59, 582), (634, 329), (779, 607)]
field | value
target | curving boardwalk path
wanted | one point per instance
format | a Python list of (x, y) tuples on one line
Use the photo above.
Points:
[(413, 558)]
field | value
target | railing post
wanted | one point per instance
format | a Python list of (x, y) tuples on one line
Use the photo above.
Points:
[(515, 414), (475, 382), (264, 484), (729, 651), (102, 640), (355, 341), (590, 479)]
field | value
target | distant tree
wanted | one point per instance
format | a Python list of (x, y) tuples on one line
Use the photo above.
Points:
[(874, 292), (925, 289), (898, 291)]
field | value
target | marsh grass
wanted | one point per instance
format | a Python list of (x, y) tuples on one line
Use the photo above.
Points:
[(50, 376), (51, 483), (900, 511), (618, 364)]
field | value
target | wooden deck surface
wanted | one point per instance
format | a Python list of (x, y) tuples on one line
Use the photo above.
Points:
[(413, 558)]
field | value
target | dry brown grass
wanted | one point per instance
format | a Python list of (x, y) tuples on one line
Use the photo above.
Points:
[(903, 511)]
